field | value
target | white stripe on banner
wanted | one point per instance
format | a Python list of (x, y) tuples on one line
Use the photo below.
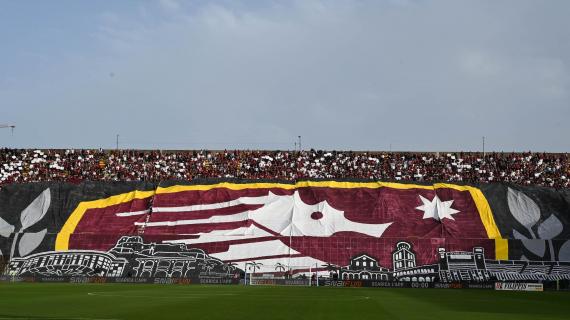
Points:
[(134, 213), (254, 249), (242, 233), (213, 206), (242, 216)]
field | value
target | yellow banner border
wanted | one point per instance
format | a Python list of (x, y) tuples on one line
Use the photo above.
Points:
[(62, 240)]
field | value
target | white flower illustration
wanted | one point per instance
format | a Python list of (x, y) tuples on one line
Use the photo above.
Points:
[(527, 213), (29, 241)]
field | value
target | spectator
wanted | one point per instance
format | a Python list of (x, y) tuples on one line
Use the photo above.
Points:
[(18, 166)]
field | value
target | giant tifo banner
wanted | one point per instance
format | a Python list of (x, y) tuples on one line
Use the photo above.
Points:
[(340, 229)]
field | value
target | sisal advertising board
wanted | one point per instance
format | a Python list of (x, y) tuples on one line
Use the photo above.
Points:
[(517, 286)]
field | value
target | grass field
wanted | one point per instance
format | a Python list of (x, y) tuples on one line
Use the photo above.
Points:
[(124, 301)]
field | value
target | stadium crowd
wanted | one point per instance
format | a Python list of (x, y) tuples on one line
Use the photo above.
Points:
[(18, 166)]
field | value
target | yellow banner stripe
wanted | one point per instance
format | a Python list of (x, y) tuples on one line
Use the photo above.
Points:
[(62, 240), (501, 249)]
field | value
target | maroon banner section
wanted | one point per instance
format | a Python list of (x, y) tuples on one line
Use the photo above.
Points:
[(303, 226)]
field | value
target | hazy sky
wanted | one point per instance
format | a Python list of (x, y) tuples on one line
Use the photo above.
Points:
[(417, 75)]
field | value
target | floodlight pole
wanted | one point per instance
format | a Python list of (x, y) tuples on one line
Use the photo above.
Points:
[(8, 126), (483, 149), (11, 129)]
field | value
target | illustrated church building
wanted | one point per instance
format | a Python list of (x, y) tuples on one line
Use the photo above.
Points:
[(364, 267)]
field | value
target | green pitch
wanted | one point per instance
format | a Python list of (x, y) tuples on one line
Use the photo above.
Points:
[(123, 301)]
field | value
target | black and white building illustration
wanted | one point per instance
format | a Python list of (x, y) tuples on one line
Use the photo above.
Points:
[(452, 266), (71, 263), (364, 267), (463, 266), (405, 268), (130, 257)]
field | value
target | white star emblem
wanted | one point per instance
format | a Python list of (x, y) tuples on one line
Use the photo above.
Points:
[(437, 209)]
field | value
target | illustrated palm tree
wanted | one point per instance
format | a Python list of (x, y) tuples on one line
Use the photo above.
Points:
[(330, 267), (207, 265), (254, 266), (230, 266), (280, 267)]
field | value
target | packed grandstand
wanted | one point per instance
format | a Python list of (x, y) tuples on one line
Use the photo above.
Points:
[(527, 168), (285, 216)]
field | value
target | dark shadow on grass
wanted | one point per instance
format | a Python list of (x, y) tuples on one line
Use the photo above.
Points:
[(9, 316)]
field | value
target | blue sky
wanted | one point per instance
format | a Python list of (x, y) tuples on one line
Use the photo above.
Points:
[(360, 75)]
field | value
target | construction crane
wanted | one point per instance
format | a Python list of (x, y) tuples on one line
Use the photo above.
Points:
[(8, 126)]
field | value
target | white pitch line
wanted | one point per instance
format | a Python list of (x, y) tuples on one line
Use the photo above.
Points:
[(58, 318), (189, 295), (249, 294)]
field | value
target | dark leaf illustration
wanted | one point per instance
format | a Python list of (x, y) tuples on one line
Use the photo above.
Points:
[(564, 254), (30, 241), (537, 247), (550, 228), (36, 210), (523, 208), (519, 235), (5, 228)]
